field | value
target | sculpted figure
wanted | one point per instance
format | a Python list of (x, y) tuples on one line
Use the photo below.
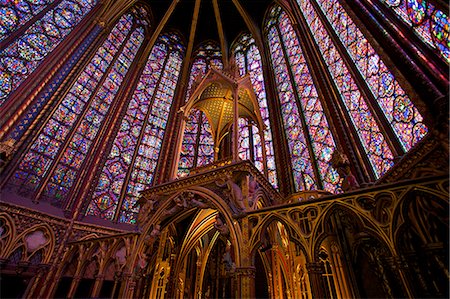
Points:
[(220, 226), (341, 163), (154, 234), (235, 192), (227, 259), (253, 187), (196, 203), (349, 181), (146, 207)]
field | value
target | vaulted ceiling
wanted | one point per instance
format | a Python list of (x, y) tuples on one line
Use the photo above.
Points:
[(213, 15)]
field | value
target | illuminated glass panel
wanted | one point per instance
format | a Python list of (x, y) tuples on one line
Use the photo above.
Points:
[(377, 150), (240, 63), (14, 14), (254, 68), (74, 155), (72, 108), (404, 117), (24, 55), (244, 139), (197, 148), (318, 129), (304, 177), (109, 188), (248, 61), (148, 152), (198, 70), (135, 150), (429, 23), (208, 55), (189, 144)]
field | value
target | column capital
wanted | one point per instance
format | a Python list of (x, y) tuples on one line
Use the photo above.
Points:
[(246, 271), (314, 267)]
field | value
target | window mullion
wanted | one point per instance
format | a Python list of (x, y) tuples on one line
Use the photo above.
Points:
[(80, 119), (20, 30), (197, 139), (305, 130), (379, 116), (139, 141)]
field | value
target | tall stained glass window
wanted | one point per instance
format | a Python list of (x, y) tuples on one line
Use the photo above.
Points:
[(208, 55), (398, 110), (307, 130), (431, 24), (248, 61), (48, 23), (404, 118), (197, 148), (51, 165), (198, 143), (132, 160)]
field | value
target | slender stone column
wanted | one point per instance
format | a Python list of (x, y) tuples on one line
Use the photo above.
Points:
[(73, 286), (97, 285), (315, 271), (245, 279)]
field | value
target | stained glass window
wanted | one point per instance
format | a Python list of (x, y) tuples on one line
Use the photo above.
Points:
[(400, 112), (208, 55), (58, 152), (248, 61), (198, 144), (298, 84), (197, 148), (431, 24), (23, 55), (372, 138), (13, 14), (132, 160)]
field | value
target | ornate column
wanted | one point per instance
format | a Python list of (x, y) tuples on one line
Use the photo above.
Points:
[(43, 269), (74, 286), (245, 279), (128, 286), (399, 266), (315, 271), (97, 285), (235, 125)]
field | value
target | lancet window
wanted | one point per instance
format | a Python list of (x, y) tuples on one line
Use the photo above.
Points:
[(52, 163), (248, 61), (132, 161), (307, 130), (29, 31)]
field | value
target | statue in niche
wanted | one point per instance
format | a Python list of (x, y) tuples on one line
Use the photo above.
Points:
[(220, 226), (340, 162), (235, 194), (265, 242), (35, 240), (142, 260), (121, 256)]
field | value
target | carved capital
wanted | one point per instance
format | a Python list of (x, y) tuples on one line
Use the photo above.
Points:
[(314, 268)]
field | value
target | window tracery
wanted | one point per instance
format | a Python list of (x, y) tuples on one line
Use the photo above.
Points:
[(132, 160), (24, 54), (57, 154), (431, 24), (248, 61), (294, 82)]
